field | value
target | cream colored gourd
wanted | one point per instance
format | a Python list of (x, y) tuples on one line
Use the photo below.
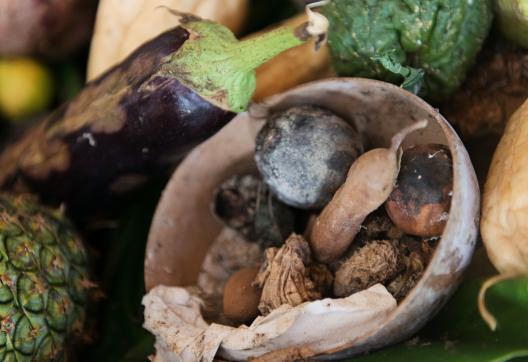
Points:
[(123, 26), (504, 225)]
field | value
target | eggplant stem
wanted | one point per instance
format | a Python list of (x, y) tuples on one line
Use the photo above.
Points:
[(251, 53), (486, 315)]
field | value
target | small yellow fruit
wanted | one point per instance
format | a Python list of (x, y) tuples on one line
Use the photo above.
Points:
[(26, 87)]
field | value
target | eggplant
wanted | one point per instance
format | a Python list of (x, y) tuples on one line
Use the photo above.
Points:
[(144, 114)]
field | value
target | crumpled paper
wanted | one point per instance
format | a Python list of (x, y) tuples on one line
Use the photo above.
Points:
[(173, 315)]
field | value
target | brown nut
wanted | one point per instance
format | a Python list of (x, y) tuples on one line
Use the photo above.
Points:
[(241, 299), (419, 205)]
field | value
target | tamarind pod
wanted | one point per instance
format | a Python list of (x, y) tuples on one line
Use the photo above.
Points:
[(369, 182)]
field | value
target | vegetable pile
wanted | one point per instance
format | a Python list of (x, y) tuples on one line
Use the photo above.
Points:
[(333, 226), (170, 94), (267, 265)]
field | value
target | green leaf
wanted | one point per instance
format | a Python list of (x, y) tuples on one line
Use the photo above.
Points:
[(458, 333), (413, 78)]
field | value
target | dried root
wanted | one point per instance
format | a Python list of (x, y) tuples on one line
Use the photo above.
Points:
[(377, 226), (377, 262), (287, 276), (416, 256), (245, 204)]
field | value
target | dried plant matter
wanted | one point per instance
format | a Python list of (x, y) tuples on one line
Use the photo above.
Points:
[(377, 226), (369, 183), (403, 283), (285, 276), (228, 254), (376, 262), (172, 314), (245, 204), (495, 88)]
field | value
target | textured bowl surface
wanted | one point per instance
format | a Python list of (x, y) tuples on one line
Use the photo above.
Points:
[(184, 226)]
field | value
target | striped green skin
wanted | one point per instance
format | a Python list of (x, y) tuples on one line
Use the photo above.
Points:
[(442, 37), (44, 282)]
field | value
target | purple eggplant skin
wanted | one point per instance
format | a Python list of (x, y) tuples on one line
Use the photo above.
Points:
[(125, 126)]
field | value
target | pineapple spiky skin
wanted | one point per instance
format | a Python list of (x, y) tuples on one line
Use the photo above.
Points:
[(44, 281)]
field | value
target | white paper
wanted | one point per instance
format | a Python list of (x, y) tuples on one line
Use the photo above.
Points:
[(173, 315)]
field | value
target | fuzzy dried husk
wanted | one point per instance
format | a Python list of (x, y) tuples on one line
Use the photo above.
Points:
[(285, 277), (376, 262), (504, 208)]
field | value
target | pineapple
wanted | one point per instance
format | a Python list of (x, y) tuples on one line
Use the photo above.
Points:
[(43, 281)]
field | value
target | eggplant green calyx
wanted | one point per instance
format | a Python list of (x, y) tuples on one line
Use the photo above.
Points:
[(221, 69)]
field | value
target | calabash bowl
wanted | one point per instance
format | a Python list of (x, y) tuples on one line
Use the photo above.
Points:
[(184, 225)]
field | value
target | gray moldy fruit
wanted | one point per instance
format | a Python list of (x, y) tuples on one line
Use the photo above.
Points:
[(419, 204), (303, 154)]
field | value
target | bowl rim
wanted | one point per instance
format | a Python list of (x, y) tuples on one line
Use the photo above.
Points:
[(464, 177)]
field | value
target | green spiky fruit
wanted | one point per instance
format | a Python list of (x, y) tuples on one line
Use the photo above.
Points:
[(44, 282)]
